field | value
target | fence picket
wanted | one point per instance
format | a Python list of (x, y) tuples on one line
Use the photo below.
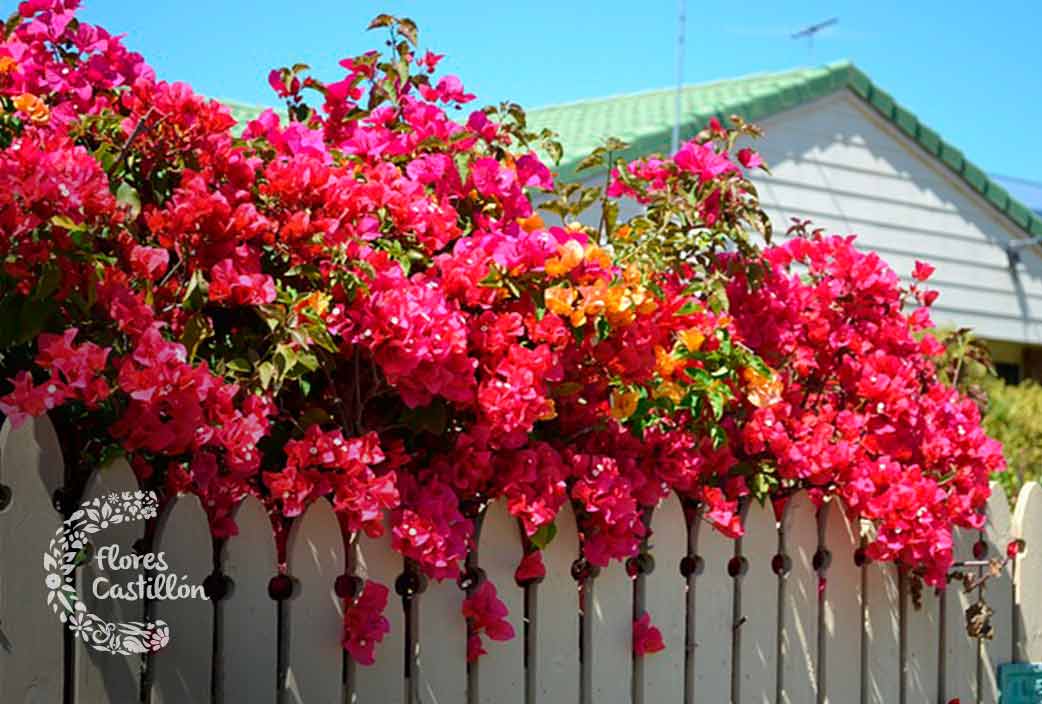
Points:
[(882, 633), (500, 674), (922, 628), (960, 651), (104, 677), (248, 622), (383, 682), (554, 619), (31, 651), (441, 661), (662, 679), (609, 650), (842, 620), (1027, 526), (998, 592), (183, 669), (758, 633), (713, 617), (799, 608), (314, 614)]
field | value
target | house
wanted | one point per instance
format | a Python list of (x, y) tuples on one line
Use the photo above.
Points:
[(844, 154)]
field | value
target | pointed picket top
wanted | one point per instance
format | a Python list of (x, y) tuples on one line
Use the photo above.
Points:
[(662, 673), (758, 589), (383, 682), (249, 616), (554, 619), (31, 649), (1027, 527), (313, 624), (713, 616), (104, 677), (500, 673), (998, 592), (799, 607), (841, 638), (183, 669)]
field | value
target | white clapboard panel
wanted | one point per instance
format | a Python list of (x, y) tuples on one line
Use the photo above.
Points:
[(313, 622), (1027, 526), (843, 615), (609, 650), (184, 668), (249, 616), (383, 682), (922, 646), (441, 632), (554, 613), (31, 656), (998, 592), (758, 634), (713, 617), (799, 607), (105, 677), (500, 673), (663, 672), (960, 651), (882, 633)]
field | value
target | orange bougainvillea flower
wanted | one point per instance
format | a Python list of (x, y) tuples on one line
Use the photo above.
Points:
[(595, 255), (665, 363), (623, 404), (7, 64), (761, 390), (670, 390), (32, 106), (317, 302), (532, 223), (559, 300), (692, 339), (569, 256), (623, 233)]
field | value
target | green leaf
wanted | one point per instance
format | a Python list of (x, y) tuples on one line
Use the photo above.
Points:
[(197, 329), (239, 364), (266, 372), (687, 309), (128, 196), (542, 537), (381, 20), (407, 28)]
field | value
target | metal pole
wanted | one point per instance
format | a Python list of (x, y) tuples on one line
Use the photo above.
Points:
[(680, 74)]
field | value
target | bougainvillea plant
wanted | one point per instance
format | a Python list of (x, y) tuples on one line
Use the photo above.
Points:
[(362, 302)]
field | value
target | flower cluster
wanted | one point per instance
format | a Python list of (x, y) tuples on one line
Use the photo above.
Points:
[(359, 302)]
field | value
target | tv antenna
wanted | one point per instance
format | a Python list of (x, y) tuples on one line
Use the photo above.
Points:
[(809, 32)]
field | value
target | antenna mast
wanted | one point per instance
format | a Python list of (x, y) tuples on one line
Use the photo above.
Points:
[(681, 21)]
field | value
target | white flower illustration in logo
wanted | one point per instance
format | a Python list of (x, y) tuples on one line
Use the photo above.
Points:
[(67, 549)]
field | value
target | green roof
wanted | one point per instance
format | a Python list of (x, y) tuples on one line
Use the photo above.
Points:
[(645, 121)]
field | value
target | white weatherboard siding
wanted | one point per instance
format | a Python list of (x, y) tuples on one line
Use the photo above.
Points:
[(837, 163)]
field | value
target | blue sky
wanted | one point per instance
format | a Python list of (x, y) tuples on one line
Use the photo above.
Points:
[(972, 71)]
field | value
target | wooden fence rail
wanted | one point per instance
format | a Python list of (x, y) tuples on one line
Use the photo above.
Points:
[(785, 614)]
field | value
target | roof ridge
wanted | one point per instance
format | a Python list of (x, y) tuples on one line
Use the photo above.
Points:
[(684, 87)]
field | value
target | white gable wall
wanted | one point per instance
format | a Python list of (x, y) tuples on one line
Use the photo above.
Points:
[(835, 162)]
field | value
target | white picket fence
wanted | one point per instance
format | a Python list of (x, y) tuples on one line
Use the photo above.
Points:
[(824, 630)]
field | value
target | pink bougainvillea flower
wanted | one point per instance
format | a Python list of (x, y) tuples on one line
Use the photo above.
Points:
[(647, 638)]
